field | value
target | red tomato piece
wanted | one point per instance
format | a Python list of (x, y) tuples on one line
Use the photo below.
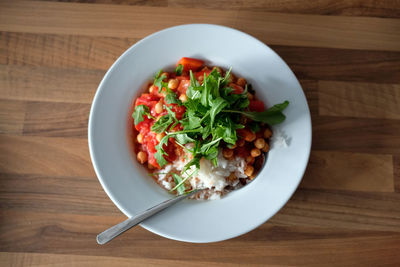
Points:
[(182, 77), (179, 111), (237, 89), (183, 85), (201, 74), (146, 99), (190, 63), (256, 105)]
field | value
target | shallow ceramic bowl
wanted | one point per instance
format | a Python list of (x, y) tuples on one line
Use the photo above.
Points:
[(126, 182)]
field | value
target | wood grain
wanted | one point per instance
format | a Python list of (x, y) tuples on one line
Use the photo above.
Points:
[(48, 84), (380, 136), (94, 52), (360, 100), (341, 209), (273, 28), (38, 193), (349, 171), (12, 114), (56, 119), (42, 259), (370, 8), (396, 172), (273, 244), (346, 55), (315, 63), (61, 51), (45, 155)]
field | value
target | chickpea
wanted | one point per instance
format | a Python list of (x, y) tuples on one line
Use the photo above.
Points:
[(250, 160), (255, 152), (219, 70), (241, 82), (232, 177), (241, 142), (166, 74), (142, 157), (267, 133), (158, 108), (140, 138), (266, 147), (233, 146), (259, 143), (249, 170), (228, 153), (183, 97), (250, 96), (152, 89), (249, 136), (231, 78), (173, 84), (160, 136)]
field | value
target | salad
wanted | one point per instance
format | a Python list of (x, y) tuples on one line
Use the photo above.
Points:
[(201, 127)]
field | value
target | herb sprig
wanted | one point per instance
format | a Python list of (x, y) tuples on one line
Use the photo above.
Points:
[(212, 115)]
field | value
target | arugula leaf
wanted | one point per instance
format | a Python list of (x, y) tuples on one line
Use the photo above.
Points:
[(254, 127), (205, 148), (194, 162), (158, 81), (183, 138), (271, 116), (179, 69), (171, 98), (162, 124), (205, 95), (159, 155), (180, 187), (225, 80), (140, 111), (212, 115), (216, 106)]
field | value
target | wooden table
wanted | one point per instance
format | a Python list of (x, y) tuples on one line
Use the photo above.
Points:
[(347, 57)]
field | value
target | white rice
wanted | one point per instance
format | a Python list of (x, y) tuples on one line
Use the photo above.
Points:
[(208, 176)]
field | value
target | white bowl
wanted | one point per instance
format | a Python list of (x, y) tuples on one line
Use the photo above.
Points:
[(127, 183)]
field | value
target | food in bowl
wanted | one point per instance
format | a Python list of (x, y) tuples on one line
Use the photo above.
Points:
[(200, 127)]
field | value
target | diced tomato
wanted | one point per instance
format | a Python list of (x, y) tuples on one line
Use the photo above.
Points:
[(179, 111), (144, 126), (201, 74), (183, 85), (190, 63), (256, 105), (182, 77), (242, 151), (237, 89), (146, 99)]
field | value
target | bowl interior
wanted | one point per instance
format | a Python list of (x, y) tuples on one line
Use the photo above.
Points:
[(127, 183)]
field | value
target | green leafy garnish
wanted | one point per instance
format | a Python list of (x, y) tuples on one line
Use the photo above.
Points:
[(270, 116), (212, 116), (158, 81), (171, 98), (180, 187), (140, 111), (179, 69)]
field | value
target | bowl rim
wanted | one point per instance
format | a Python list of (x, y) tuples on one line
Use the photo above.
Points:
[(111, 195)]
